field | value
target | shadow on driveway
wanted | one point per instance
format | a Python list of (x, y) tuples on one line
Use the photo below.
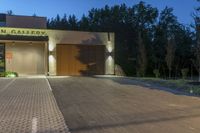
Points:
[(148, 85), (99, 105)]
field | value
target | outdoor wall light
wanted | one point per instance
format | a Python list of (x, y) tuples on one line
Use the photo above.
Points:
[(51, 52), (51, 58), (109, 54), (110, 49), (109, 45), (109, 58), (51, 48), (109, 40)]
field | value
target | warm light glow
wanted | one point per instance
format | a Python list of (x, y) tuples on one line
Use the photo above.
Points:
[(57, 77), (110, 49), (110, 59), (51, 58), (109, 65), (51, 47), (109, 42)]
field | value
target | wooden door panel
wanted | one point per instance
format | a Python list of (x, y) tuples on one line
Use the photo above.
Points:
[(80, 59)]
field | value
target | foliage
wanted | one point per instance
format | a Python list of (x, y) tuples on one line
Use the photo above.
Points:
[(184, 73), (170, 48), (156, 73), (142, 57), (11, 74), (2, 63), (196, 60), (10, 12), (155, 27), (2, 74), (179, 85)]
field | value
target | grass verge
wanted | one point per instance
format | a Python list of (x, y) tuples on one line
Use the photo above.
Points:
[(179, 84)]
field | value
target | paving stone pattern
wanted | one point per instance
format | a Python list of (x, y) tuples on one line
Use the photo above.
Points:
[(117, 105), (28, 106)]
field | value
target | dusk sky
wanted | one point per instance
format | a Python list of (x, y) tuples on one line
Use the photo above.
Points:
[(50, 8)]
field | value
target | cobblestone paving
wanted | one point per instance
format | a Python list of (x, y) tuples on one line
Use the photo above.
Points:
[(28, 106), (116, 105)]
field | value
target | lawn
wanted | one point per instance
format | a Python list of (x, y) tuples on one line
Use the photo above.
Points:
[(178, 84)]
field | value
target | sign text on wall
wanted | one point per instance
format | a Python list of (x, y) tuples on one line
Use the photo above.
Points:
[(22, 32)]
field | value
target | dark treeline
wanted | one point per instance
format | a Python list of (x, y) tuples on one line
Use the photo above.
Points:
[(148, 42)]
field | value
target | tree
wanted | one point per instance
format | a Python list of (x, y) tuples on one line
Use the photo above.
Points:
[(10, 12), (197, 46), (84, 23), (141, 36), (142, 56), (168, 27), (34, 15), (196, 61), (198, 8), (170, 48), (64, 23), (142, 18), (73, 22)]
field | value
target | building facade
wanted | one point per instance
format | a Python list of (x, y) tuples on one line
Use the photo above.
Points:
[(29, 48)]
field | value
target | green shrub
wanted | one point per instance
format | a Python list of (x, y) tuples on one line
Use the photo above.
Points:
[(139, 74), (11, 74), (2, 63), (184, 72), (2, 74), (156, 73)]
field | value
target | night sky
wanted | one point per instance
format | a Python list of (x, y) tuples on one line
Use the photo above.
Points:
[(50, 8)]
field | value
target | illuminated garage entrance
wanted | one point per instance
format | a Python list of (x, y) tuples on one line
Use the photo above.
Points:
[(30, 51), (26, 58), (80, 59)]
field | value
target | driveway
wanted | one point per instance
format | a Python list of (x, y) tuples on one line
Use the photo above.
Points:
[(27, 105), (107, 105)]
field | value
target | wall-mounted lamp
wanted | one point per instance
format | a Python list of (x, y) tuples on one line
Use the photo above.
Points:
[(110, 53), (110, 58), (110, 49), (51, 58), (109, 39), (51, 47), (51, 52)]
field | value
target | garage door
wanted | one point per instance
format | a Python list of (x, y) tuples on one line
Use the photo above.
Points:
[(80, 59), (26, 58)]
